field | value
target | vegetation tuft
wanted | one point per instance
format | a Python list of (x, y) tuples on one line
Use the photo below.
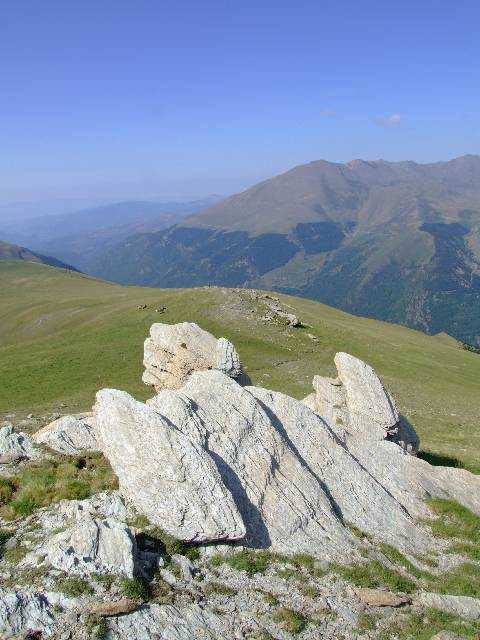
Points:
[(292, 621), (58, 478), (136, 589), (74, 587)]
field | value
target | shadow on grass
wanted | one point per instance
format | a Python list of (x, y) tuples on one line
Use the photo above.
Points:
[(440, 460)]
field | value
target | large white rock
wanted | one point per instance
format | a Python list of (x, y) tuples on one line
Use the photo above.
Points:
[(27, 611), (462, 606), (167, 476), (69, 435), (90, 546), (283, 504), (358, 405), (173, 351)]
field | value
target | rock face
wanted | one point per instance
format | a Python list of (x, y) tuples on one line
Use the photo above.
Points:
[(69, 435), (172, 352), (169, 477), (358, 402), (16, 446)]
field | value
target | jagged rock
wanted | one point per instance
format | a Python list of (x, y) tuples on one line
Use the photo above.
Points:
[(16, 446), (90, 546), (69, 435), (172, 622), (283, 504), (380, 598), (358, 403), (172, 352), (359, 498), (167, 476), (462, 606), (28, 611)]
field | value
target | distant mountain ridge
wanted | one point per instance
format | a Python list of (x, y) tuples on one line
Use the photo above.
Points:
[(14, 252), (398, 241), (79, 237)]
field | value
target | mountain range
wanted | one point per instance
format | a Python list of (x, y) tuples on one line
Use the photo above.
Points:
[(398, 241), (80, 237)]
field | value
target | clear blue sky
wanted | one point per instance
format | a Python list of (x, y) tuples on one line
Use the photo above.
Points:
[(138, 98)]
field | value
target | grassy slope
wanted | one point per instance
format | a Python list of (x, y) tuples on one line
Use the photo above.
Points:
[(64, 335)]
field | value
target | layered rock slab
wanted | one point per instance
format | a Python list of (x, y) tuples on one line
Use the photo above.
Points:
[(283, 504), (167, 476), (358, 403)]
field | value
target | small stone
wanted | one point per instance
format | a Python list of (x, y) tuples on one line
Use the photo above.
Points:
[(187, 567)]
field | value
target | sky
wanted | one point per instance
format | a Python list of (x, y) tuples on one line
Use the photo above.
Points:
[(125, 99)]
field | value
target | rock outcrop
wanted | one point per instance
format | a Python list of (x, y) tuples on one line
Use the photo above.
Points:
[(212, 460), (173, 352), (90, 546), (358, 402), (69, 435), (16, 446)]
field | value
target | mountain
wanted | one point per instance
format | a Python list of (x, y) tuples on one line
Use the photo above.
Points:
[(398, 241), (74, 334), (79, 237), (14, 252)]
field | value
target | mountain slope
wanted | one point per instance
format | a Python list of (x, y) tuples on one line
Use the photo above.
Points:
[(73, 334), (395, 241), (14, 252), (79, 237)]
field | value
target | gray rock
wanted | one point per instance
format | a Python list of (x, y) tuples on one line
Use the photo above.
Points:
[(167, 476), (69, 435), (27, 611), (462, 606), (172, 623), (358, 405), (16, 446), (172, 352), (90, 546)]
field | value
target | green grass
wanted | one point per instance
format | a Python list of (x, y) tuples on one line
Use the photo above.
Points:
[(374, 575), (74, 335), (63, 477), (74, 587), (135, 589)]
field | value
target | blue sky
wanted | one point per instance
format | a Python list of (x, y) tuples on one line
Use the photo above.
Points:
[(115, 99)]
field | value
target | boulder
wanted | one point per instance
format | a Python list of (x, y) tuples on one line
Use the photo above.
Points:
[(358, 405), (462, 606), (90, 546), (68, 435), (16, 446), (172, 352), (167, 476)]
